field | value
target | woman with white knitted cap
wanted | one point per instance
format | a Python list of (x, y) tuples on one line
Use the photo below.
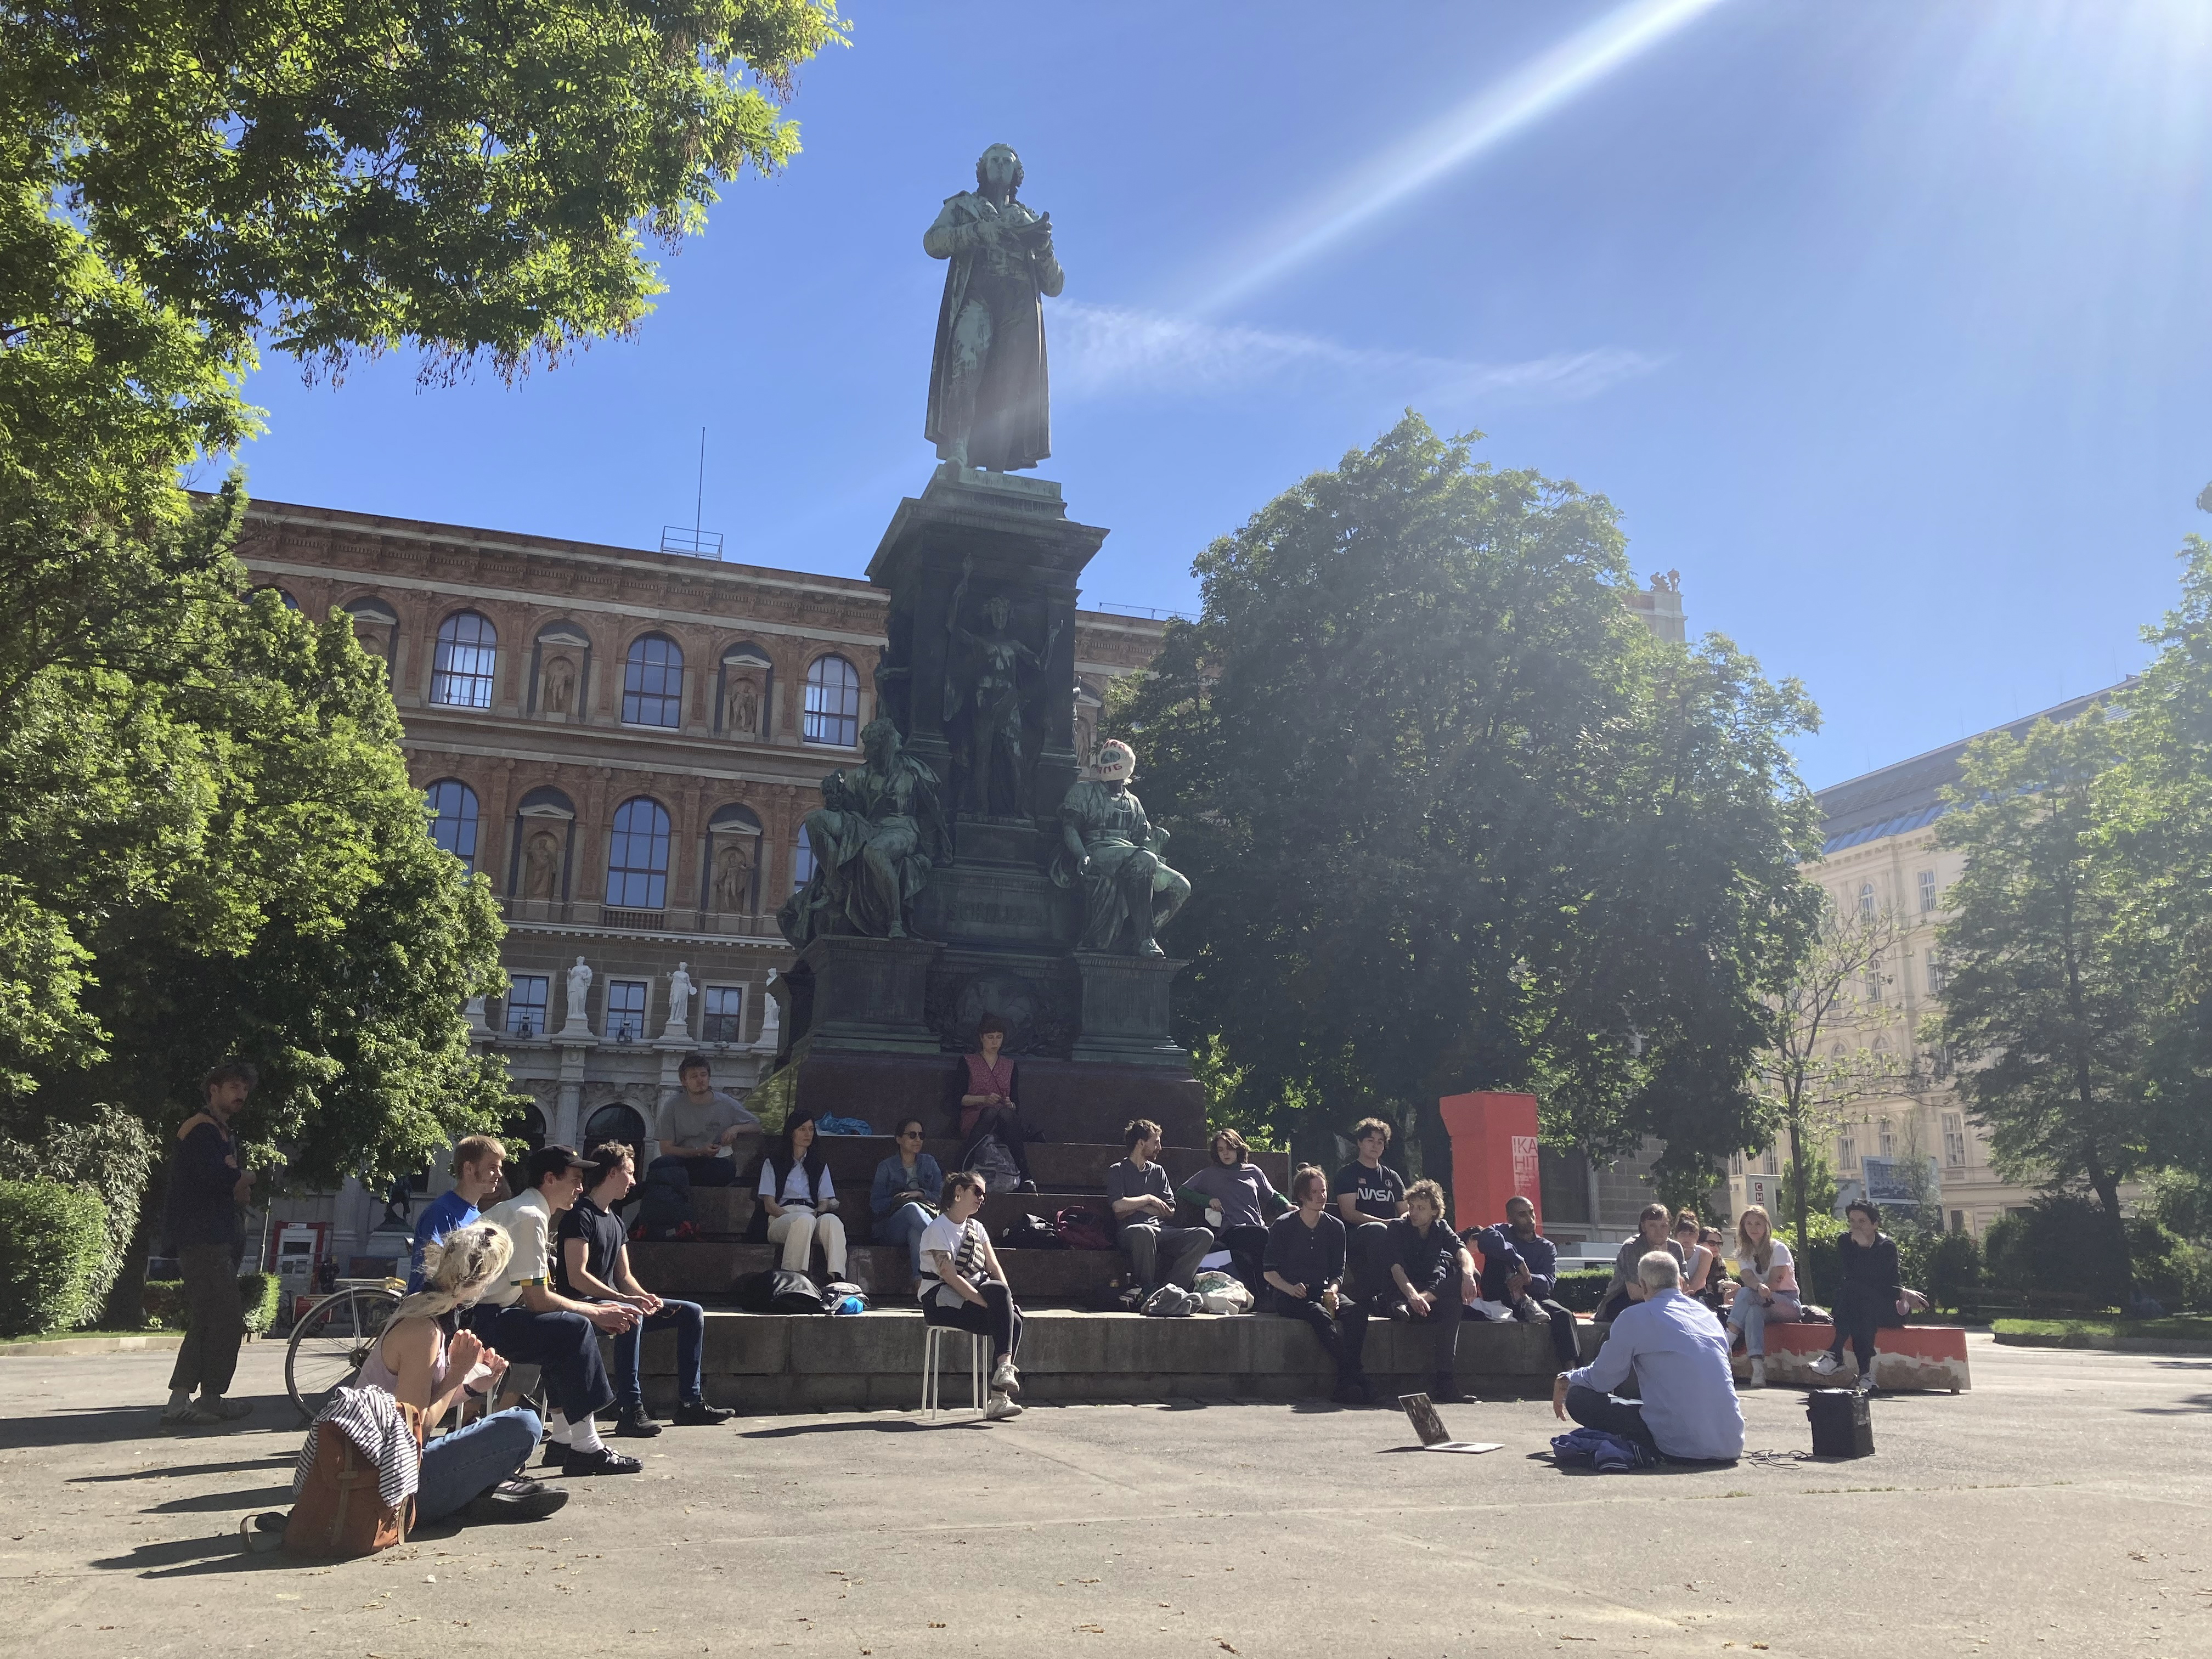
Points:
[(424, 1359)]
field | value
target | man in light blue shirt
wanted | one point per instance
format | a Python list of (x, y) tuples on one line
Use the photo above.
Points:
[(1684, 1405)]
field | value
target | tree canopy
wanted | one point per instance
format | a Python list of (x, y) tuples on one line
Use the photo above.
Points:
[(1454, 820)]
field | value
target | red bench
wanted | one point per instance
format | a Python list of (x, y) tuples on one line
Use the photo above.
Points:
[(1927, 1357)]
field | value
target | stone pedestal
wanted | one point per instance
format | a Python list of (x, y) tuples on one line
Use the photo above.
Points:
[(864, 993), (1125, 1009)]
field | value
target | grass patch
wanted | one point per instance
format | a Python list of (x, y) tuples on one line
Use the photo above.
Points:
[(79, 1336), (2090, 1332)]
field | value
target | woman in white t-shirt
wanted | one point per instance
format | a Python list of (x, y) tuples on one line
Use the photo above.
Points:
[(1769, 1294), (800, 1201), (971, 1291)]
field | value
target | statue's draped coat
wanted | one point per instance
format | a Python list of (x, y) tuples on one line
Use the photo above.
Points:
[(1013, 425)]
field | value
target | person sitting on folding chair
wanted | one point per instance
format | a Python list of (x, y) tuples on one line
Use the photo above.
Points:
[(970, 1292)]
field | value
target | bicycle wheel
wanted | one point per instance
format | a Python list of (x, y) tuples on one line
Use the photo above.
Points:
[(329, 1342)]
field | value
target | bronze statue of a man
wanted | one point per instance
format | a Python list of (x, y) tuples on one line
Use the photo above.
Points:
[(988, 396), (875, 837), (992, 703), (1110, 847)]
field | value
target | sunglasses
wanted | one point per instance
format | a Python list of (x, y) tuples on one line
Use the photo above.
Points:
[(909, 1134)]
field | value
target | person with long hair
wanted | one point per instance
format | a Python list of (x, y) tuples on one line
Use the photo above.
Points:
[(1767, 1276), (425, 1359), (986, 1112), (1651, 1235), (1239, 1201), (903, 1195), (800, 1200)]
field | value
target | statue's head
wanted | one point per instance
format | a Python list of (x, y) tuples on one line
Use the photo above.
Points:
[(1117, 761), (996, 609), (879, 739), (998, 166)]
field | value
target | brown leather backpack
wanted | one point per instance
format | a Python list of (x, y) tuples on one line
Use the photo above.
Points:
[(339, 1512)]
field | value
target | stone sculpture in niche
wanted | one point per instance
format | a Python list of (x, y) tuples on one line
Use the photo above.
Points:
[(541, 866), (744, 716), (560, 685), (875, 837), (985, 707), (989, 398), (1112, 850), (679, 997), (733, 876)]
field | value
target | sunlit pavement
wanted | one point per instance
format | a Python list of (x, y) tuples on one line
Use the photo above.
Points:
[(2066, 1501)]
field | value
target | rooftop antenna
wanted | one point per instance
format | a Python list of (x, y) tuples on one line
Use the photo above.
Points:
[(674, 539)]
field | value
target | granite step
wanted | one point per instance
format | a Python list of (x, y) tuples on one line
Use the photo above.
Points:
[(703, 1271)]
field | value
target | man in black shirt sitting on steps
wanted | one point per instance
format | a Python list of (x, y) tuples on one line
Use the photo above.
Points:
[(1304, 1264), (1429, 1273), (1369, 1195)]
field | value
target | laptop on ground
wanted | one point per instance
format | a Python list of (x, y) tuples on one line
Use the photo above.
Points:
[(1422, 1412)]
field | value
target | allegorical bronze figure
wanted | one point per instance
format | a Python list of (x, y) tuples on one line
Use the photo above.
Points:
[(989, 400), (1112, 850)]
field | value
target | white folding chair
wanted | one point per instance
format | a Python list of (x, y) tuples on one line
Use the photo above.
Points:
[(932, 1364)]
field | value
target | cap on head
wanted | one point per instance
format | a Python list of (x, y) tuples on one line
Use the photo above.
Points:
[(1117, 761), (550, 1161)]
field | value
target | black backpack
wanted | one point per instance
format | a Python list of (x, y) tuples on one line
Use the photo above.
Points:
[(1030, 1232), (778, 1290)]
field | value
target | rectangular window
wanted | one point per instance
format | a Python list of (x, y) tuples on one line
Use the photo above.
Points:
[(1847, 1151), (526, 1006), (1882, 1137), (1935, 974), (1874, 980), (1958, 1221), (1955, 1141), (725, 1019), (1927, 892), (625, 1011)]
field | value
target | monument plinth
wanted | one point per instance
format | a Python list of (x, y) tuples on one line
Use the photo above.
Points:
[(965, 870)]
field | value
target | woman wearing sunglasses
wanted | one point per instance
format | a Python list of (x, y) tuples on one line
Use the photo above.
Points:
[(904, 1197)]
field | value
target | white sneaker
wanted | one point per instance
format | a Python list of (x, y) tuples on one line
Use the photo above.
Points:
[(1827, 1365), (1000, 1409), (1005, 1378), (1759, 1370), (1865, 1384)]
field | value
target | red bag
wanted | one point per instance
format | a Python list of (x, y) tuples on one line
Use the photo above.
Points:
[(1082, 1230)]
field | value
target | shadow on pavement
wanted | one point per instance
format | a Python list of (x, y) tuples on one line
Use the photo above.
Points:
[(186, 1558), (2194, 1405), (105, 1427), (260, 1497), (168, 1471)]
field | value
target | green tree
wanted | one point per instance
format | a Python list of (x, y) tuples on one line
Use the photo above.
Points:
[(2046, 1003), (1454, 820), (1816, 1064)]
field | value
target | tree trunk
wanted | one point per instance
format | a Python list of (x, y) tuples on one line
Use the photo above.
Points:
[(1797, 1178), (2107, 1186)]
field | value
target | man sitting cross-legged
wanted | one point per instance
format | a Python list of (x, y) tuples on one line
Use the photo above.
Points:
[(1672, 1358), (1430, 1270), (593, 1266), (1303, 1271), (1144, 1204), (524, 1318)]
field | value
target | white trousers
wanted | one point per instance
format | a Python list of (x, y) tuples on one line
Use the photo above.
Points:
[(797, 1231)]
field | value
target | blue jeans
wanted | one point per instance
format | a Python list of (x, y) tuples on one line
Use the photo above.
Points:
[(460, 1467), (690, 1323), (904, 1226), (1752, 1316)]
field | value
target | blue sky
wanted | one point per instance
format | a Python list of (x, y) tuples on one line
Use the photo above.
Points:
[(1887, 323)]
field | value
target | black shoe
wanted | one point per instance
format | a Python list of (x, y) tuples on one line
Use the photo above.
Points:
[(518, 1500), (605, 1460), (1351, 1393), (1026, 1186), (555, 1453), (698, 1413), (637, 1425)]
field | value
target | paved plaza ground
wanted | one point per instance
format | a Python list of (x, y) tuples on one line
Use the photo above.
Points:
[(2065, 1503)]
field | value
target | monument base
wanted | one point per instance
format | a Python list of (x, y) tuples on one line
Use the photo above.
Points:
[(1125, 1009), (1080, 1101), (864, 993)]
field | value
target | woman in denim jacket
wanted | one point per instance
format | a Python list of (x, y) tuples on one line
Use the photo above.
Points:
[(904, 1198)]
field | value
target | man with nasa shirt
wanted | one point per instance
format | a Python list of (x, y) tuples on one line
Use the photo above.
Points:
[(1369, 1196)]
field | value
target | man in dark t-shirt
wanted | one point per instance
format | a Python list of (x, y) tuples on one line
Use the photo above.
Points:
[(1369, 1195), (591, 1263), (207, 1186)]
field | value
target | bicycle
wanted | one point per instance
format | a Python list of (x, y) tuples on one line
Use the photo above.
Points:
[(331, 1339)]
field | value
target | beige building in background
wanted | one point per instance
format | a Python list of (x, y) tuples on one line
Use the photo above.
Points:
[(1878, 852)]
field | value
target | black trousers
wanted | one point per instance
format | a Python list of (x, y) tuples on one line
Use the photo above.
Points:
[(1567, 1342), (1343, 1337), (564, 1346), (1859, 1309), (1447, 1310), (1248, 1249), (1594, 1410), (215, 1322), (1368, 1251), (702, 1171), (998, 1318), (1005, 1123)]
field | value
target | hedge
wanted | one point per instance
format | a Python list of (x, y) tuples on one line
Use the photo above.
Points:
[(1580, 1291), (53, 1244), (258, 1294)]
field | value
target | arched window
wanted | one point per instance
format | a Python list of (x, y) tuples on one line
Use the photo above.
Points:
[(618, 1123), (1866, 900), (282, 597), (528, 1128), (452, 807), (460, 672), (833, 703), (637, 856), (802, 862), (653, 683)]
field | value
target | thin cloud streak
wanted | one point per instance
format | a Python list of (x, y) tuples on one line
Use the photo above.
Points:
[(1103, 350), (1491, 116)]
